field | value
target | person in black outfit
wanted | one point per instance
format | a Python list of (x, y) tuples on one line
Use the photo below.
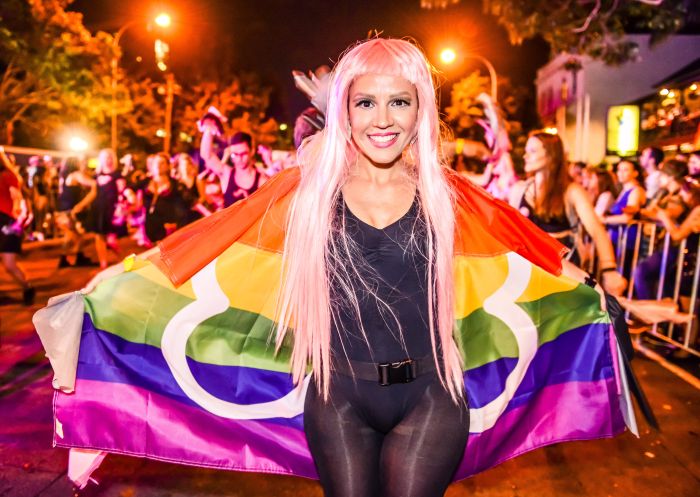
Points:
[(76, 191), (165, 208), (381, 423), (389, 416), (191, 188), (101, 217)]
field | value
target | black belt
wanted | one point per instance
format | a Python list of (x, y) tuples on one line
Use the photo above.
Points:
[(386, 373)]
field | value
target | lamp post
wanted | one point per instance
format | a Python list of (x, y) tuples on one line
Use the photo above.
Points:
[(162, 20), (448, 56), (162, 51)]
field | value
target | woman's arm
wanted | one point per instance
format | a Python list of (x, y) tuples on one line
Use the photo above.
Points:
[(206, 151), (690, 225), (634, 204), (482, 179), (613, 281), (87, 199)]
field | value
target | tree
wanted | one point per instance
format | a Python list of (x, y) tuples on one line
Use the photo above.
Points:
[(55, 70), (591, 27), (242, 99)]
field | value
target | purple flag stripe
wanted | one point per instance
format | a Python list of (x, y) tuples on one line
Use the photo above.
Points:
[(161, 428), (131, 420)]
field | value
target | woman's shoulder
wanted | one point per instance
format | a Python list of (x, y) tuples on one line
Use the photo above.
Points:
[(576, 193)]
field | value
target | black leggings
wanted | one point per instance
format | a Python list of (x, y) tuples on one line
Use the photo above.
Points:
[(402, 440)]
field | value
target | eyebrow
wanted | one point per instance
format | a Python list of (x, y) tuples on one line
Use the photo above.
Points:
[(395, 95)]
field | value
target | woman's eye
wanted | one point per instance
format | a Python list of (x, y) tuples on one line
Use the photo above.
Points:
[(364, 103), (401, 102)]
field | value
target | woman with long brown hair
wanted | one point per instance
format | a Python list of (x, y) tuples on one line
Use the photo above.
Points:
[(557, 205)]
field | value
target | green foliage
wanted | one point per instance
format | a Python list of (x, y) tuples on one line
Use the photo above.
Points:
[(594, 28), (55, 71)]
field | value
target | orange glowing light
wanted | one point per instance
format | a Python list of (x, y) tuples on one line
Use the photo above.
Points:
[(448, 56), (163, 20)]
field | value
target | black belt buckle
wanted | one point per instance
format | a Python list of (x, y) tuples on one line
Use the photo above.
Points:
[(396, 372)]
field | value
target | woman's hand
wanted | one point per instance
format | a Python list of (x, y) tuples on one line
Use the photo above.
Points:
[(614, 283), (576, 273), (208, 125)]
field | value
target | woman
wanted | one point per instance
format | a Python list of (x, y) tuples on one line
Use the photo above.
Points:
[(557, 205), (601, 189), (625, 210), (108, 178), (72, 203), (192, 188), (12, 218), (631, 198), (368, 239), (165, 208)]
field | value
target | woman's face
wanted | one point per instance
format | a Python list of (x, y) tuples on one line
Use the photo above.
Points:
[(106, 162), (383, 111), (535, 155), (626, 172)]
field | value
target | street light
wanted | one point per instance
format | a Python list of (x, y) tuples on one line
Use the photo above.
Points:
[(162, 20), (449, 56), (77, 144)]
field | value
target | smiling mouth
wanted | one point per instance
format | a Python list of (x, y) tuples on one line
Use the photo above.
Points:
[(383, 140)]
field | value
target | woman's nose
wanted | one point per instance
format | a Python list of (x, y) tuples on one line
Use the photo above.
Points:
[(383, 117)]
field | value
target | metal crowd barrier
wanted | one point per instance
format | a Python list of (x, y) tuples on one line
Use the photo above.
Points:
[(645, 243)]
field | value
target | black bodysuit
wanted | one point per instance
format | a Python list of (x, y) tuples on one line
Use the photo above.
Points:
[(371, 440), (393, 264)]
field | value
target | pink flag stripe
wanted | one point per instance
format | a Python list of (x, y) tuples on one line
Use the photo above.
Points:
[(124, 419), (558, 413)]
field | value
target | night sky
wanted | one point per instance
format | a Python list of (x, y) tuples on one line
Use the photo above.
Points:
[(272, 37)]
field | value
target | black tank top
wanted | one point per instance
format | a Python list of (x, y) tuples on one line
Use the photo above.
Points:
[(234, 193), (555, 224), (69, 196), (391, 266)]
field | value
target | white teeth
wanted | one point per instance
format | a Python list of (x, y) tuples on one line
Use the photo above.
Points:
[(384, 138)]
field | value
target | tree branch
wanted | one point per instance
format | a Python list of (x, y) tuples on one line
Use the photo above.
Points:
[(590, 17)]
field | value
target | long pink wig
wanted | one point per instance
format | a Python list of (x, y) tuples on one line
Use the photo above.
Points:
[(305, 302)]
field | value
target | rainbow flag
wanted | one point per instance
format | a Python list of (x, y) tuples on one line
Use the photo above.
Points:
[(187, 372)]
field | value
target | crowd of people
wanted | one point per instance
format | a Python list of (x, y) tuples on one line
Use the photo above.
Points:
[(120, 197)]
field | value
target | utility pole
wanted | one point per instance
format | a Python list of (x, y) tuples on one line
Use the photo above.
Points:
[(169, 96)]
